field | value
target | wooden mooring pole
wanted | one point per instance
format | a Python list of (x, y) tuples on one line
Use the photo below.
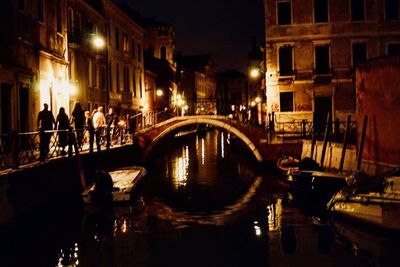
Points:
[(345, 140), (361, 145), (326, 137)]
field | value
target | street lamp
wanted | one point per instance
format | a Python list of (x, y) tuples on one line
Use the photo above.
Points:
[(159, 92), (98, 41)]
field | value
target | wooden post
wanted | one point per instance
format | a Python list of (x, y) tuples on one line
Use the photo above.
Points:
[(345, 139), (314, 140), (361, 145), (326, 137)]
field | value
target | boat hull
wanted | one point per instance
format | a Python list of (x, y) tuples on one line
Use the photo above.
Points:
[(125, 181), (377, 208)]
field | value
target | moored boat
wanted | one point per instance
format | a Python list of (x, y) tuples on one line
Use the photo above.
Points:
[(120, 188), (374, 200)]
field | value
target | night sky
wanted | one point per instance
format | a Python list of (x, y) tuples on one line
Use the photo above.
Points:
[(222, 28)]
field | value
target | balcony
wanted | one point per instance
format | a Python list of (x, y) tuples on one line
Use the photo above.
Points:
[(323, 75)]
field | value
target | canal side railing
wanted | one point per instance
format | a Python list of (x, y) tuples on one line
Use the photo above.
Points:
[(18, 149), (305, 129)]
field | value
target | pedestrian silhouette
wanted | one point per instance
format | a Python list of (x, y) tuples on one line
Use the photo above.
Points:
[(62, 123), (78, 118), (45, 121)]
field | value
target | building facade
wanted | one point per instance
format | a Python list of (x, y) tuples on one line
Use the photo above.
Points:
[(125, 61), (33, 61), (312, 48), (196, 83), (88, 78), (231, 93)]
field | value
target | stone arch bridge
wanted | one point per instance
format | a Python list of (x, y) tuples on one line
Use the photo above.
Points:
[(256, 139)]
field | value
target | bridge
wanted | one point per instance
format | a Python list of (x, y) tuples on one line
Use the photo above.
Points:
[(256, 139)]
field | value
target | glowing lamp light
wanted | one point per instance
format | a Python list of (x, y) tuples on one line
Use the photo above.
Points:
[(258, 99), (253, 103), (98, 42), (159, 92), (254, 73)]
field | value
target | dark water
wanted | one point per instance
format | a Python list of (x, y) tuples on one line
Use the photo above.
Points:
[(204, 203)]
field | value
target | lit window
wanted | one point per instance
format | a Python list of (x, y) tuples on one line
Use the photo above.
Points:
[(320, 11), (284, 13), (286, 101), (357, 10), (125, 42)]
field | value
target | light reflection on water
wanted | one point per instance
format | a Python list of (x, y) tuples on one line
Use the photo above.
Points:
[(218, 214)]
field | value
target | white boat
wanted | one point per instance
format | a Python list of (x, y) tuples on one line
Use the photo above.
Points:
[(374, 200), (124, 182)]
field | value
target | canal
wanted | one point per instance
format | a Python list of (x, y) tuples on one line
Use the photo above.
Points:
[(205, 202)]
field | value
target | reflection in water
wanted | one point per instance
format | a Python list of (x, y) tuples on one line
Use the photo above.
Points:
[(180, 172), (205, 206)]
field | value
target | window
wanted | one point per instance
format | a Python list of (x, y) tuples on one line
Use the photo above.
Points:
[(40, 10), (320, 11), (125, 42), (284, 10), (286, 61), (139, 48), (322, 62), (357, 10), (59, 18), (116, 38), (286, 101), (133, 48), (134, 83), (359, 52), (140, 86), (163, 52), (70, 22), (393, 49), (126, 79), (90, 73), (391, 9), (117, 77)]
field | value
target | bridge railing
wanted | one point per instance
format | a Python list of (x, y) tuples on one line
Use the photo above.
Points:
[(305, 129), (18, 149)]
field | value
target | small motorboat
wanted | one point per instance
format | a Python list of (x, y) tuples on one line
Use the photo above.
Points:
[(371, 199), (118, 184), (287, 164)]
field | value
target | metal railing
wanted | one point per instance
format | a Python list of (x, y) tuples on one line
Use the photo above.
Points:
[(305, 129), (18, 149)]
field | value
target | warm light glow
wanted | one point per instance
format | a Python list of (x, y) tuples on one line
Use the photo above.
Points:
[(254, 73), (203, 152), (98, 42), (233, 107), (253, 103), (222, 145), (181, 169), (180, 102), (72, 89), (159, 92), (186, 107), (258, 99)]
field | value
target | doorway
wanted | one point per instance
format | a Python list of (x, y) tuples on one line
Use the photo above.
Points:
[(322, 106)]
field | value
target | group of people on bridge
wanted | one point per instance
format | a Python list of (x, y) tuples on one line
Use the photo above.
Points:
[(88, 127)]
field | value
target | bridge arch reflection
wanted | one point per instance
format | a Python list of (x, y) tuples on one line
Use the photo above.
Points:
[(173, 125)]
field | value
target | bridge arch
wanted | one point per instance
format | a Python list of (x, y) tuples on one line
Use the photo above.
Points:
[(201, 120)]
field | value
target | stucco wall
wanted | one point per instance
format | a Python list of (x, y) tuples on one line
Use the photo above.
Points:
[(378, 97)]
